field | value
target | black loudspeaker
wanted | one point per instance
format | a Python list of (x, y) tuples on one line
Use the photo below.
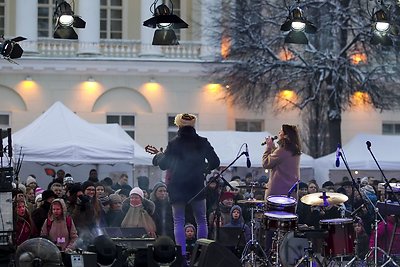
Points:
[(209, 253)]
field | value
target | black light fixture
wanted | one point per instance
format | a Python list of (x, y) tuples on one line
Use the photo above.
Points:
[(65, 21), (165, 20), (382, 28), (297, 25), (10, 49)]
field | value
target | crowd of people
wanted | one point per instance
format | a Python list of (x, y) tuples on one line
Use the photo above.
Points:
[(72, 214)]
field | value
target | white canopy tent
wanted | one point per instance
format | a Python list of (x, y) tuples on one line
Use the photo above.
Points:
[(228, 145), (60, 136), (384, 147)]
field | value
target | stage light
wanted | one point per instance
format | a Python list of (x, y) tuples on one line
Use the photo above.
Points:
[(66, 21), (10, 49), (297, 25), (165, 20)]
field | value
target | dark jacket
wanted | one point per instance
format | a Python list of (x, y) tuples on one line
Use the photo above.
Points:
[(187, 158)]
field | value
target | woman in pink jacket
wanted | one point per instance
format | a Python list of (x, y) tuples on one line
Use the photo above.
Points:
[(283, 161)]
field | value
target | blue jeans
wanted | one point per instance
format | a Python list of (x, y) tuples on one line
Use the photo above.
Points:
[(199, 212)]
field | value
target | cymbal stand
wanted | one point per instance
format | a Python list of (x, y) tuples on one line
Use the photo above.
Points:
[(252, 246)]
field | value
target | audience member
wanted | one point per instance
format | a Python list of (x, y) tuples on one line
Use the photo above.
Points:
[(59, 227), (162, 215), (136, 215)]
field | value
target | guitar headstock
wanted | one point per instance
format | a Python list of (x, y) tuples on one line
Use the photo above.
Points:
[(151, 149)]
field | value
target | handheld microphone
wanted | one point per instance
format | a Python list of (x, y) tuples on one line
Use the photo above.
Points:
[(368, 145), (292, 188), (338, 155), (273, 138), (248, 162)]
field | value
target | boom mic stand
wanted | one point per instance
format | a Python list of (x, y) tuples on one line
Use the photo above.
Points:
[(376, 248), (342, 156)]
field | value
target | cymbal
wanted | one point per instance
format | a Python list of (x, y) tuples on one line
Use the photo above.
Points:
[(324, 199), (251, 201)]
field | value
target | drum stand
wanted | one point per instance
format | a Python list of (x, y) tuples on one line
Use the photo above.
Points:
[(249, 254)]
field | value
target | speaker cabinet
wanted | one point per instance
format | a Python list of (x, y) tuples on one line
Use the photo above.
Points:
[(209, 253)]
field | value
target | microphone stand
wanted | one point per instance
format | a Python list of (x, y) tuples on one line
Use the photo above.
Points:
[(364, 203), (376, 248), (219, 190)]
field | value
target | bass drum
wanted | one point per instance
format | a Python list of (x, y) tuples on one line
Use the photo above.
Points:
[(292, 249)]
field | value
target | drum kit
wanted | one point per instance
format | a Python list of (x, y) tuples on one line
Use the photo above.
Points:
[(292, 246)]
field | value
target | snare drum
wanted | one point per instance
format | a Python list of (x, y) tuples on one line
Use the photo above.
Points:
[(280, 220), (340, 240), (281, 203)]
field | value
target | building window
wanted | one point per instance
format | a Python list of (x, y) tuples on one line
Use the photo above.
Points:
[(111, 19), (177, 11), (45, 18), (4, 123), (2, 15), (249, 125), (391, 128), (127, 122)]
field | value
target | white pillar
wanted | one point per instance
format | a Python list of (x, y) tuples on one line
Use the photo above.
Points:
[(26, 24), (146, 33), (89, 37), (210, 45)]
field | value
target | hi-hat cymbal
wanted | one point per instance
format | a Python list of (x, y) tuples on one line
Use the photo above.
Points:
[(251, 201), (324, 199)]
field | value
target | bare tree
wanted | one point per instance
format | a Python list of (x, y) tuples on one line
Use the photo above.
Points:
[(323, 73)]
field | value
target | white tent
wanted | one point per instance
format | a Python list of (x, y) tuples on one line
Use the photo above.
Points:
[(141, 157), (60, 136), (228, 145), (384, 147)]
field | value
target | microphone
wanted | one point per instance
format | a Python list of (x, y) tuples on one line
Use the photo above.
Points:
[(248, 162), (338, 155), (368, 145), (272, 137), (292, 188)]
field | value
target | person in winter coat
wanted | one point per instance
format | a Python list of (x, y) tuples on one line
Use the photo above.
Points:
[(187, 158), (24, 228), (162, 215), (59, 227)]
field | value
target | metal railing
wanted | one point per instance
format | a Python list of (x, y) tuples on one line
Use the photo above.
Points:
[(47, 47)]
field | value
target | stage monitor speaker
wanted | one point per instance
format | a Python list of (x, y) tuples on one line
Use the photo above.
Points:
[(231, 237), (209, 253)]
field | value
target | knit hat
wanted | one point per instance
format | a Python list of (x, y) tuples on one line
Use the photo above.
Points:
[(115, 198), (158, 185), (185, 119), (236, 207), (22, 187), (189, 225), (38, 190), (30, 180), (48, 194), (137, 191), (68, 180), (328, 184), (226, 195), (38, 198), (123, 191)]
